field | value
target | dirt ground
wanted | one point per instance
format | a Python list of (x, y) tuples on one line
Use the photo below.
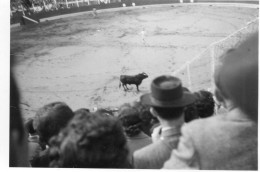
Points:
[(78, 60)]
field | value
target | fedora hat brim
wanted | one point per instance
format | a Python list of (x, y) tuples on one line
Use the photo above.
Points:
[(187, 99)]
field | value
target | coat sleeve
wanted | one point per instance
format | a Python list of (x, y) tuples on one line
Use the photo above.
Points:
[(185, 156)]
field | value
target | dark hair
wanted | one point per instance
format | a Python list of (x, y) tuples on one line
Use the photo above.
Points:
[(190, 113), (237, 78), (148, 120), (169, 113), (130, 119), (95, 141), (205, 103), (50, 119)]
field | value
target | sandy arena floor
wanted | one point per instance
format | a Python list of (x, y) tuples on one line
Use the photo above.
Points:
[(78, 60)]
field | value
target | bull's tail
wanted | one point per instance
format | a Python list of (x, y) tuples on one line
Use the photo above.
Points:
[(119, 84)]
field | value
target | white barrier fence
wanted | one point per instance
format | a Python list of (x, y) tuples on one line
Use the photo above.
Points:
[(198, 73)]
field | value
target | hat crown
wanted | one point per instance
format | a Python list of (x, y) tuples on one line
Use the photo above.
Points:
[(166, 88)]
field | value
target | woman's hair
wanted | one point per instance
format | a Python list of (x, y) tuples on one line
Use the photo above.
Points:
[(190, 113), (91, 141), (204, 104), (130, 119), (50, 119)]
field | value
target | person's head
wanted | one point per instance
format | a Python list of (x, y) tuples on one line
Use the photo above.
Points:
[(97, 141), (130, 119), (18, 150), (145, 113), (204, 103), (167, 98), (79, 113), (236, 79), (50, 119)]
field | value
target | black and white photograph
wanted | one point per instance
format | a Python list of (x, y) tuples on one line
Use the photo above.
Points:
[(132, 84)]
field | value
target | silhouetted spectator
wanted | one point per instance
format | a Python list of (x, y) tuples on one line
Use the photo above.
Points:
[(18, 150), (167, 100), (131, 121), (229, 141), (94, 141)]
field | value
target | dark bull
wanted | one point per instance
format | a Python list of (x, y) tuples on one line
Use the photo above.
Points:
[(132, 79)]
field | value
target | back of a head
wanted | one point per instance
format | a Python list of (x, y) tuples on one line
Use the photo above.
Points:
[(130, 119), (169, 113), (95, 141), (204, 103), (50, 119), (237, 78)]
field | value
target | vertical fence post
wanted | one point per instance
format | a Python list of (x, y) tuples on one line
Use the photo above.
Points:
[(67, 4), (191, 1), (189, 77), (77, 3), (181, 1), (213, 65)]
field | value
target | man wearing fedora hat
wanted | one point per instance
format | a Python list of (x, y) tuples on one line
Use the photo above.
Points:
[(167, 100)]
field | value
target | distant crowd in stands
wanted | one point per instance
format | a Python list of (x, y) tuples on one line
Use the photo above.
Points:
[(35, 6), (170, 127)]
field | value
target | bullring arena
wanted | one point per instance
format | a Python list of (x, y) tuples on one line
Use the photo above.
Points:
[(79, 59)]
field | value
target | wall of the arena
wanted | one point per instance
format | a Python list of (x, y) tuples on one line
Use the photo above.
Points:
[(16, 16)]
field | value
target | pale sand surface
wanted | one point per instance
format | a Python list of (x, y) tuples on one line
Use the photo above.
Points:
[(78, 59)]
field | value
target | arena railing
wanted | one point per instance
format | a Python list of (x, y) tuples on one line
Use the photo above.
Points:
[(198, 73)]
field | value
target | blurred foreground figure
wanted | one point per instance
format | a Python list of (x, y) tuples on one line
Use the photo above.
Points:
[(48, 121), (18, 155), (95, 140), (226, 142)]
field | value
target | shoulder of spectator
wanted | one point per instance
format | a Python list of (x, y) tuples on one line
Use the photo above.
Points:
[(200, 126), (146, 151)]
